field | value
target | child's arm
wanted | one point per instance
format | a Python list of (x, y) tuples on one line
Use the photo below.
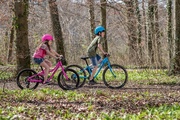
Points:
[(101, 49), (51, 54), (48, 51), (55, 53)]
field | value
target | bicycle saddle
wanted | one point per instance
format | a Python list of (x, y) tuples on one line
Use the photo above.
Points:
[(84, 58)]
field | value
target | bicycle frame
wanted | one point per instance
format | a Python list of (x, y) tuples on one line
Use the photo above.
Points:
[(58, 65), (103, 62)]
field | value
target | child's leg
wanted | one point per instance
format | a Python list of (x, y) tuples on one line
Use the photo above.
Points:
[(94, 63), (98, 58), (48, 62), (46, 70), (93, 72)]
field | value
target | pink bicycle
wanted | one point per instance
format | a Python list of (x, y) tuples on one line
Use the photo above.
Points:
[(28, 78)]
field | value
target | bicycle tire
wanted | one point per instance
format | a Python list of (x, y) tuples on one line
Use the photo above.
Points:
[(72, 82), (81, 72), (120, 75), (22, 76)]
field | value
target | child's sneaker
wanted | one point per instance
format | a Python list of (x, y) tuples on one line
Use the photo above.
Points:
[(47, 83), (92, 82)]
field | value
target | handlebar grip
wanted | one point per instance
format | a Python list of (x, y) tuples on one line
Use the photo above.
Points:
[(106, 55), (61, 58)]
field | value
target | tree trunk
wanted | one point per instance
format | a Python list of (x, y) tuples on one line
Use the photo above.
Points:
[(21, 27), (145, 32), (131, 32), (177, 38), (151, 31), (57, 28), (158, 51), (144, 22), (11, 44), (91, 13), (103, 22), (139, 34), (6, 40), (170, 37)]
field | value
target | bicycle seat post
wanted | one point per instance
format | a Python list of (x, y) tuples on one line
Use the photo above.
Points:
[(86, 62), (41, 68), (85, 58)]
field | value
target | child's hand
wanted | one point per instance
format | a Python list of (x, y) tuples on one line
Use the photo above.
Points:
[(60, 57), (106, 53)]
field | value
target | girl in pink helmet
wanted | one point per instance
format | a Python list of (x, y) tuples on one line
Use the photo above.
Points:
[(41, 51)]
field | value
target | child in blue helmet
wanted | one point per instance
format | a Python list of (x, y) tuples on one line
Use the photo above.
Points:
[(92, 50)]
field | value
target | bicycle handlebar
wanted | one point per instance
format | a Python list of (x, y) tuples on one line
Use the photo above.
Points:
[(106, 55), (60, 58)]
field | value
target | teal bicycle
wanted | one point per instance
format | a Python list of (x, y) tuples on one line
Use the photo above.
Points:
[(114, 76)]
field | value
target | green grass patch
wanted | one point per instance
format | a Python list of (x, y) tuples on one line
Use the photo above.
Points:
[(164, 112), (152, 77), (149, 77), (49, 103), (6, 75)]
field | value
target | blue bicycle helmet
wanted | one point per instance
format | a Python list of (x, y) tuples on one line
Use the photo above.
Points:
[(99, 29)]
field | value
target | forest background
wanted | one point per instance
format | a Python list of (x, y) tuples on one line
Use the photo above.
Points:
[(139, 33)]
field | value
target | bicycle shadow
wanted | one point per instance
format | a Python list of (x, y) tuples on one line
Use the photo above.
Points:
[(148, 87), (127, 88)]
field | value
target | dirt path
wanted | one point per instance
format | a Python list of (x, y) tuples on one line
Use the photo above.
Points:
[(11, 85)]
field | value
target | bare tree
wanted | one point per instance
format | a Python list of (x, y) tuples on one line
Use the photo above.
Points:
[(176, 61), (131, 26), (144, 20), (157, 44), (153, 43), (169, 35), (57, 28), (103, 22), (92, 17), (150, 30), (11, 43), (138, 33), (21, 27)]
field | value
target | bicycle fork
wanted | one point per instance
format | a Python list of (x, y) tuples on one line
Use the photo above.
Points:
[(64, 73), (111, 70)]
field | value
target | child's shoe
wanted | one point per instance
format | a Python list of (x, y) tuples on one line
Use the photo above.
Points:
[(92, 82)]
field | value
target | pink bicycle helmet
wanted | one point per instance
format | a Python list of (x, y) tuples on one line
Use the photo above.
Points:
[(47, 37)]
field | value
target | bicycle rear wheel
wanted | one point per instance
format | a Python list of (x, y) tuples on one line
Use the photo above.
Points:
[(81, 72), (22, 77), (71, 83), (115, 76)]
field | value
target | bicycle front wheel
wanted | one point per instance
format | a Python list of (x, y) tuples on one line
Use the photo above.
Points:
[(81, 72), (71, 83), (22, 81), (115, 76)]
